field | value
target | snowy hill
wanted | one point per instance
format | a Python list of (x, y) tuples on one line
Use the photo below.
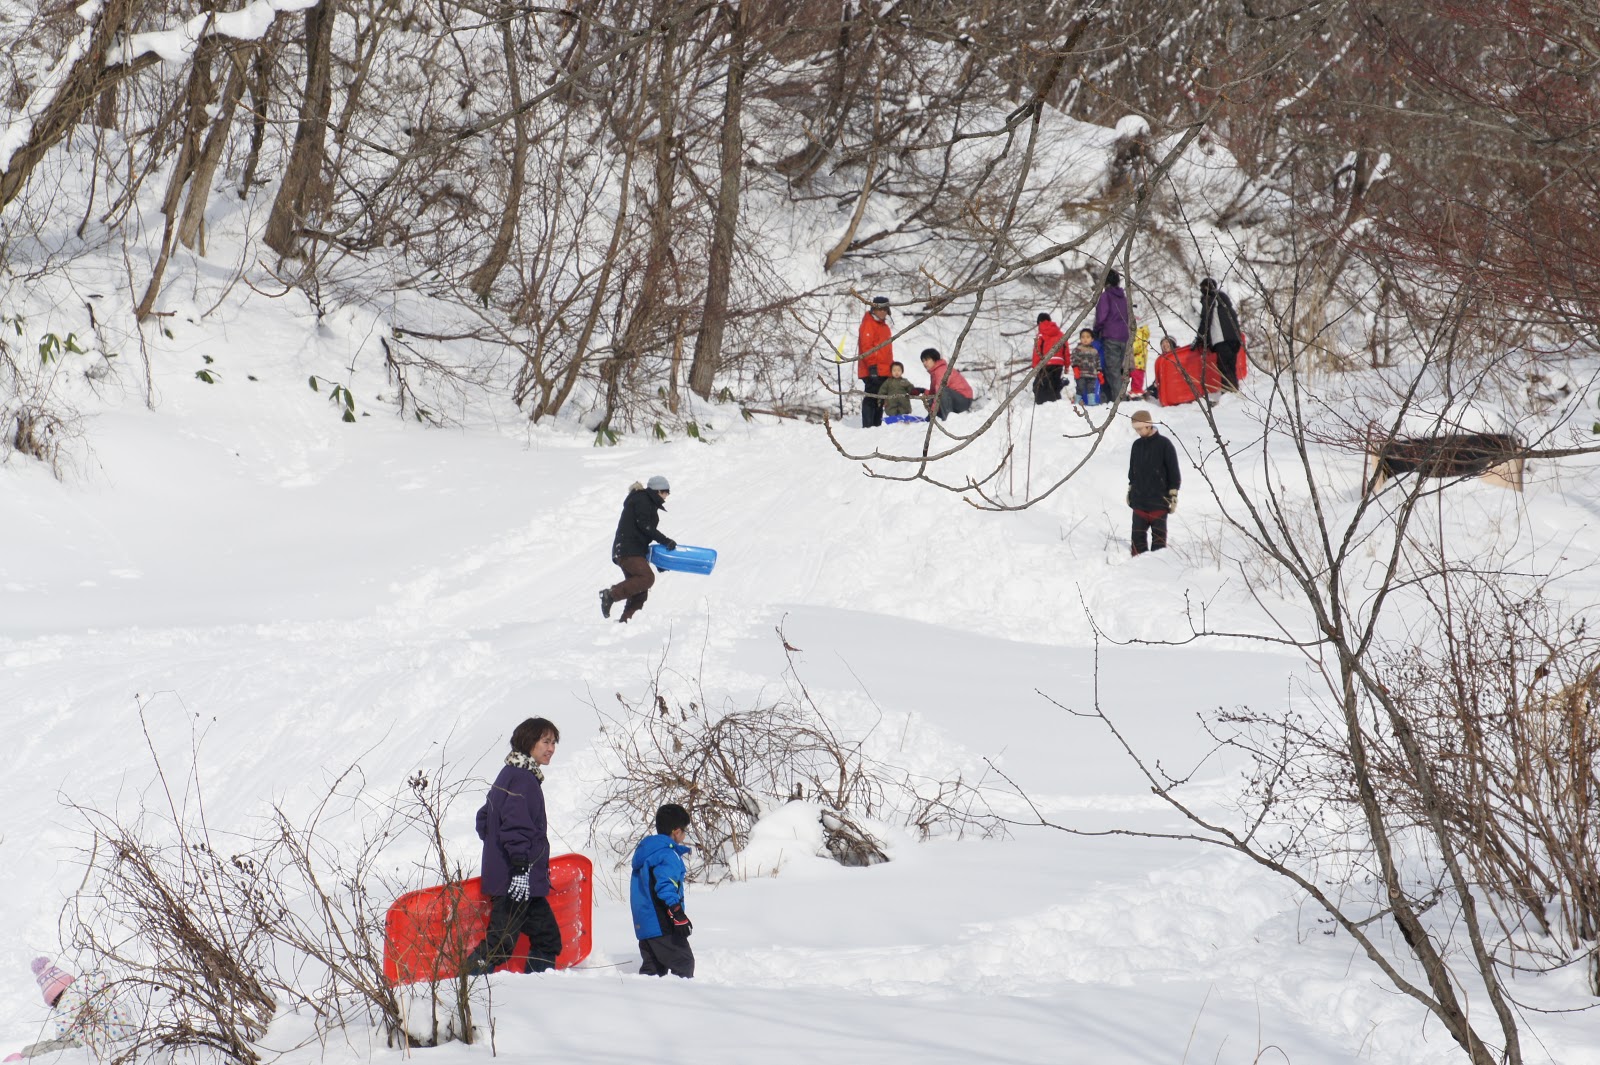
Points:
[(304, 595)]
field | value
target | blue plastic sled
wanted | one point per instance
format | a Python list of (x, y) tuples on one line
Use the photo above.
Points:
[(896, 419), (685, 559)]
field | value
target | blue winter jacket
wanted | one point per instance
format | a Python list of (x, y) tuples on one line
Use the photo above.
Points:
[(657, 883), (512, 825)]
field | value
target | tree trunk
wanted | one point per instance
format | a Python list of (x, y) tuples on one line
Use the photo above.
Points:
[(303, 190), (191, 226), (646, 307), (719, 271), (259, 88), (483, 278), (197, 97)]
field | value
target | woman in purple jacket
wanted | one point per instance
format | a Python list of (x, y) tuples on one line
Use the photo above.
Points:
[(1111, 328), (516, 856)]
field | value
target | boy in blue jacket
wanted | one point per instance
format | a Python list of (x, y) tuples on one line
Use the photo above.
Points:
[(656, 893)]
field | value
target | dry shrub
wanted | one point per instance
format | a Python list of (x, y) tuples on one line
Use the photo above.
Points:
[(212, 933), (729, 767), (1507, 714)]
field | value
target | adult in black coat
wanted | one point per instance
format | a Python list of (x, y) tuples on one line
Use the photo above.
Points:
[(630, 548), (1218, 332), (1153, 482)]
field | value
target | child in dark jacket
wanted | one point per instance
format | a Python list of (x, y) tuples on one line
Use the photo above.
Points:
[(656, 894), (896, 392), (1086, 366)]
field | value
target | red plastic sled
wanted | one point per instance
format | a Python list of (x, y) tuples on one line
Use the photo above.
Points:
[(1181, 374), (429, 933)]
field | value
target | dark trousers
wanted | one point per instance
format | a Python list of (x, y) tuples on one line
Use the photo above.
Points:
[(1154, 522), (666, 954), (1114, 354), (952, 402), (871, 405), (634, 588), (509, 920), (1047, 384), (1227, 354)]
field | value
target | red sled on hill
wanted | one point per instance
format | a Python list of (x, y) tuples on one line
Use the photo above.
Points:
[(428, 934), (1182, 374)]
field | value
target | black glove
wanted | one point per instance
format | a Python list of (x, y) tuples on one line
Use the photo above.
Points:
[(1129, 496), (681, 925), (519, 882), (1172, 501), (669, 543)]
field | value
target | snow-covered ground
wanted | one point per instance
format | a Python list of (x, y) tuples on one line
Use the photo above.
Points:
[(306, 594)]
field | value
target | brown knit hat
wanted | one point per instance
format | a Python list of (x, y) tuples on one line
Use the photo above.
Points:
[(1141, 417)]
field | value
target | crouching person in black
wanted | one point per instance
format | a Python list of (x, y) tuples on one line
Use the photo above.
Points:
[(516, 856), (656, 894), (1153, 482)]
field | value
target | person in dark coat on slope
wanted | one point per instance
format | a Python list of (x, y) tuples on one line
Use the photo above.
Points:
[(1153, 482), (630, 548), (1218, 332), (655, 894), (516, 856)]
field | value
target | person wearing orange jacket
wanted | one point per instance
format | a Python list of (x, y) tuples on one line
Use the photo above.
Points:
[(876, 356)]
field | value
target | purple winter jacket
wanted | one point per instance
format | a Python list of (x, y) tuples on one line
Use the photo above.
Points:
[(513, 829), (1111, 315)]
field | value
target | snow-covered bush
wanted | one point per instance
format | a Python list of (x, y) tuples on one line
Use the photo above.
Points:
[(732, 767)]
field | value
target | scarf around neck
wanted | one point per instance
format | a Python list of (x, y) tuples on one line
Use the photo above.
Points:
[(523, 761)]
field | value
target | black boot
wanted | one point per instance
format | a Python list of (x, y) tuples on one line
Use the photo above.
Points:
[(605, 602)]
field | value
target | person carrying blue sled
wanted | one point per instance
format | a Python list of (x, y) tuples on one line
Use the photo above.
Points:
[(630, 548), (656, 894)]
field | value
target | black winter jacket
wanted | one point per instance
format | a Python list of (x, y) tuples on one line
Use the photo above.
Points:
[(1152, 472), (1216, 303), (636, 529)]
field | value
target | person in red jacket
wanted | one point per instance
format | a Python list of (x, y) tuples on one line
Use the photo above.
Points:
[(1049, 347), (876, 356), (948, 391)]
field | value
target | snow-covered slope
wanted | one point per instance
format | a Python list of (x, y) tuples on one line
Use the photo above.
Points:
[(306, 594)]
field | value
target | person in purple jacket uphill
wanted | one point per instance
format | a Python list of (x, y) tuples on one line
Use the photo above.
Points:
[(516, 856), (630, 547), (1111, 319), (655, 893)]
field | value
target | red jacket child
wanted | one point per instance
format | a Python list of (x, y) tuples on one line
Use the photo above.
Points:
[(1050, 342)]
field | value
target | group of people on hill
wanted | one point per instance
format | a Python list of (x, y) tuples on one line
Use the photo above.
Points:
[(1109, 361), (516, 870), (1108, 364), (886, 392)]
